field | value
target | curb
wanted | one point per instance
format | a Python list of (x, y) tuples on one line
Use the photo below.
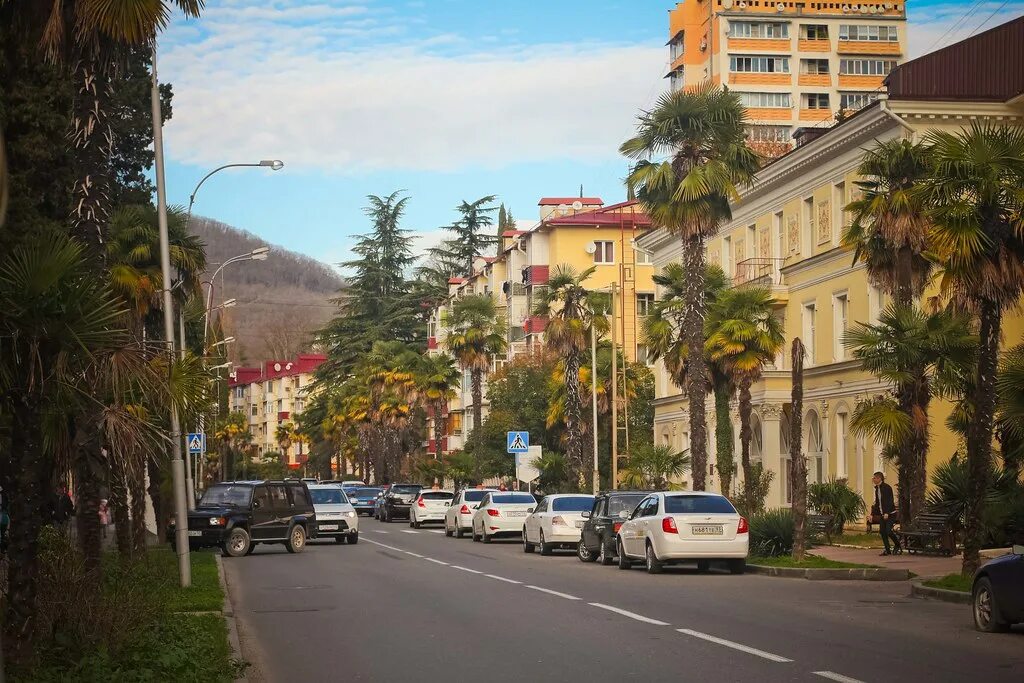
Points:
[(229, 614), (919, 590), (846, 574)]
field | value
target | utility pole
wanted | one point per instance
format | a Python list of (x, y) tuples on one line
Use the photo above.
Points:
[(615, 395), (593, 398), (177, 464)]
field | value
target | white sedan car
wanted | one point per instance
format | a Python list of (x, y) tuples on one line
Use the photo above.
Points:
[(556, 522), (501, 513), (335, 516), (458, 518), (430, 506), (671, 527)]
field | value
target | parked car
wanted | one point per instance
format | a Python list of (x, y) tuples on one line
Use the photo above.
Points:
[(458, 518), (430, 507), (556, 522), (610, 510), (236, 516), (352, 484), (501, 513), (363, 499), (335, 516), (998, 592), (670, 527), (396, 502)]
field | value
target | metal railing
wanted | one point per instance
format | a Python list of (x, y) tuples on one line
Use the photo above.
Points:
[(764, 272)]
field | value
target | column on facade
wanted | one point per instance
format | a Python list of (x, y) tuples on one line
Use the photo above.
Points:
[(826, 441), (772, 456)]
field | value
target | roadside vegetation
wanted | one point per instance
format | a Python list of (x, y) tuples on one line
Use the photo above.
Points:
[(951, 582)]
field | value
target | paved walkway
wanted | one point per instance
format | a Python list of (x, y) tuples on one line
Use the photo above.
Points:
[(925, 566)]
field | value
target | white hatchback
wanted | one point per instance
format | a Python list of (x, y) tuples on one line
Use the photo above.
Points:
[(501, 513), (556, 522), (458, 518), (430, 506), (335, 516), (670, 527)]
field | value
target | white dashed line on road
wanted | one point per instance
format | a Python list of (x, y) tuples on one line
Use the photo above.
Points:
[(631, 615), (736, 646), (551, 592), (378, 531), (384, 545), (502, 578), (436, 531), (409, 552), (409, 531), (833, 676), (430, 559), (465, 569)]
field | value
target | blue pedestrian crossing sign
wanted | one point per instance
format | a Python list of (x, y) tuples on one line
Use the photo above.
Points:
[(518, 442), (195, 442)]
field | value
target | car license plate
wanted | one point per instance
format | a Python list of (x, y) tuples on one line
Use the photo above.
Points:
[(579, 523), (517, 513), (328, 527), (706, 529), (195, 532)]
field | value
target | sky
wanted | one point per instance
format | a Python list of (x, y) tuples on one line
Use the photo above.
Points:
[(444, 99)]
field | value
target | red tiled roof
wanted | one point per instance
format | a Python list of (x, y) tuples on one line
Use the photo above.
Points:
[(513, 233), (455, 280), (610, 215), (272, 369), (555, 201), (490, 259)]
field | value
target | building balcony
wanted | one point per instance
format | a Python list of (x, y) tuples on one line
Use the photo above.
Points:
[(804, 45), (535, 324), (869, 47), (283, 415), (760, 45), (535, 275), (860, 82), (815, 79), (815, 114), (763, 272), (432, 445), (431, 343), (772, 114), (745, 78)]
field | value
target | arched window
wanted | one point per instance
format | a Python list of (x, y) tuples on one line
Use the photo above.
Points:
[(756, 439), (814, 447), (784, 475)]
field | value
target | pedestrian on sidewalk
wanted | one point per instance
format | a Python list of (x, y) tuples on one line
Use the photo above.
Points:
[(885, 509), (63, 509), (104, 513)]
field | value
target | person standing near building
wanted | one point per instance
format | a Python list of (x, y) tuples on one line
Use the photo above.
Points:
[(885, 508)]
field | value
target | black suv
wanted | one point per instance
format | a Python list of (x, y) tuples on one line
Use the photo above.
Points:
[(398, 500), (235, 516), (597, 538)]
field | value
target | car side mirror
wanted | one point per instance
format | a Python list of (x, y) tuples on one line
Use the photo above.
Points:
[(529, 510), (586, 514), (256, 504), (1018, 550)]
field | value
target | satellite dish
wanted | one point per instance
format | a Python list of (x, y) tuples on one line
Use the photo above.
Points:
[(780, 7), (277, 367), (727, 4), (577, 205), (591, 248)]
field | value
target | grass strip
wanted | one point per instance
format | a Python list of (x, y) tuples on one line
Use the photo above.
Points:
[(951, 582), (809, 562)]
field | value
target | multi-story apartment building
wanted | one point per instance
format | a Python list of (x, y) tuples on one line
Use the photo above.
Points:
[(274, 393), (785, 234), (793, 63), (578, 232)]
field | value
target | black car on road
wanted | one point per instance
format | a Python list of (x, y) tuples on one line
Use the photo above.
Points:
[(398, 500), (236, 516), (597, 537), (998, 595), (363, 499)]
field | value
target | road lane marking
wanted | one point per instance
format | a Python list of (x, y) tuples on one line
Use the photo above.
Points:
[(409, 552), (631, 615), (384, 545), (833, 676), (502, 578), (409, 531), (430, 559), (736, 646), (551, 592), (378, 531), (436, 531), (465, 569)]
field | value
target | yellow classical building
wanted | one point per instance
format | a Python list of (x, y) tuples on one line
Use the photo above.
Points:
[(785, 234)]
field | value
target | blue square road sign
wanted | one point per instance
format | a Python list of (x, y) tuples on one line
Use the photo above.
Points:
[(518, 442), (195, 442)]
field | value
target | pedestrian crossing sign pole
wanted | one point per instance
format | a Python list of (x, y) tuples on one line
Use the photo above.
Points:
[(518, 442), (195, 442)]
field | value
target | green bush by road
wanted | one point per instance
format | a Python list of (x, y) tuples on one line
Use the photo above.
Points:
[(952, 582)]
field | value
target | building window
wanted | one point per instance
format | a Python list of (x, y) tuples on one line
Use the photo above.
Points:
[(816, 100), (869, 33), (270, 386), (677, 80), (643, 355), (675, 48), (814, 66), (807, 221), (605, 252), (856, 100), (866, 67), (239, 392), (767, 133), (644, 304), (455, 423), (839, 207), (841, 429), (840, 313), (299, 405), (809, 312), (255, 410), (758, 29), (766, 100), (759, 65), (727, 255), (280, 405), (643, 258), (814, 32)]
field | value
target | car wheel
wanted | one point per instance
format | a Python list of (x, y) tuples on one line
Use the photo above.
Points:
[(483, 535), (584, 553), (459, 531), (527, 546), (654, 566), (703, 565), (252, 548), (476, 539), (986, 612), (447, 531), (603, 556), (545, 548), (737, 566), (415, 525), (353, 539), (237, 543), (296, 539), (624, 562)]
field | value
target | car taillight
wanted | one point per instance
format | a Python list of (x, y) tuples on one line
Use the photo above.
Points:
[(420, 502), (617, 526), (743, 527), (558, 520), (668, 525), (493, 512), (464, 510)]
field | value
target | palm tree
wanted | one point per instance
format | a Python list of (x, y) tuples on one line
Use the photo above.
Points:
[(976, 206), (653, 467), (475, 340), (285, 435), (797, 461), (234, 433), (438, 377), (743, 335), (702, 133), (1011, 409)]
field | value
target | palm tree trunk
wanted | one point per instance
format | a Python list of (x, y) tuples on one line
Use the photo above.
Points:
[(745, 435), (573, 418), (723, 437), (89, 467), (438, 427), (119, 505), (918, 471), (798, 464), (979, 434), (160, 511), (905, 457), (696, 371), (477, 381), (92, 138), (137, 482)]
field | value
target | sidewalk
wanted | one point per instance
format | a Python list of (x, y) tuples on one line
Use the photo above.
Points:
[(925, 566)]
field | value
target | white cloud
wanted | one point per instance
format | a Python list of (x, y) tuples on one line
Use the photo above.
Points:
[(351, 94), (936, 26)]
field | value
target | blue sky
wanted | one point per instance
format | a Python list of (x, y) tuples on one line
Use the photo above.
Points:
[(446, 99)]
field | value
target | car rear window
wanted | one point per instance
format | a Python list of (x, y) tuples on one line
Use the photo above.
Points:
[(364, 492), (436, 495), (573, 504), (512, 498), (328, 496), (474, 496), (405, 490), (226, 494), (700, 504), (617, 504)]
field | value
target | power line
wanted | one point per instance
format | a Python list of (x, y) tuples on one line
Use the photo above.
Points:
[(996, 11), (966, 15)]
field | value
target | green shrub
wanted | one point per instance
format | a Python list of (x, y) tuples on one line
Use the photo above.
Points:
[(750, 500), (771, 533), (836, 499), (1003, 519)]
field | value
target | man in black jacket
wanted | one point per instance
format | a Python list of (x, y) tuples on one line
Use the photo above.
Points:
[(885, 508)]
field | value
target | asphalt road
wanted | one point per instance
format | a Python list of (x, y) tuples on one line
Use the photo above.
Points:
[(417, 606)]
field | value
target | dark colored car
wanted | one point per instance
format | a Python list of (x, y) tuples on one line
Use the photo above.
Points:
[(597, 538), (363, 499), (236, 516), (398, 500), (998, 595)]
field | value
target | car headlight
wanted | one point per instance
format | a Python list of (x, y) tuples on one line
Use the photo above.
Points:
[(350, 513), (217, 521)]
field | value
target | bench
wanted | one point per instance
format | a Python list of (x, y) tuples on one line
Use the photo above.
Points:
[(928, 533), (820, 525)]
